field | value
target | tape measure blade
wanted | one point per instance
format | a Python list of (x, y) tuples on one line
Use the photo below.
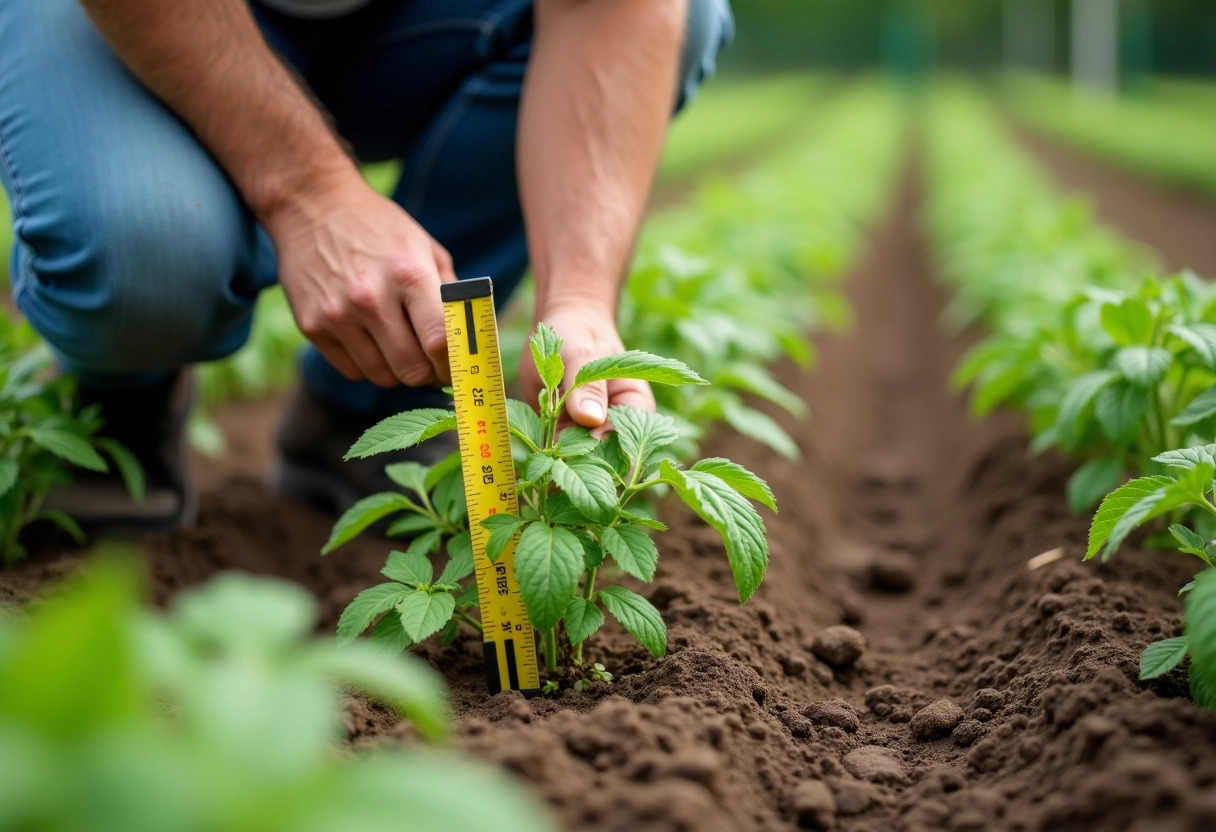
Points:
[(509, 643)]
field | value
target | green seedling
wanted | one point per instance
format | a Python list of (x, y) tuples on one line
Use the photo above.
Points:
[(42, 437), (577, 523)]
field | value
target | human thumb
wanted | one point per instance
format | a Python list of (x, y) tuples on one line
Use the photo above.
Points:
[(588, 405)]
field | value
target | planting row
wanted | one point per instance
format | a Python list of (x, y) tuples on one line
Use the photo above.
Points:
[(1114, 364), (780, 239), (1167, 136), (222, 713)]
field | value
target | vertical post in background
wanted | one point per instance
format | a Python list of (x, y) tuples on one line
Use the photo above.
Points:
[(1095, 44), (1029, 35)]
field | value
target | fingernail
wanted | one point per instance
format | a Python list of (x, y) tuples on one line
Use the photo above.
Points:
[(594, 410)]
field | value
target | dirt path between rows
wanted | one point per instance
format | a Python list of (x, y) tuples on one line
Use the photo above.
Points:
[(988, 696), (1179, 224)]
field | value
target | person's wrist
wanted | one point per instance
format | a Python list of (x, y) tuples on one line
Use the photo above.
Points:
[(288, 196), (586, 305)]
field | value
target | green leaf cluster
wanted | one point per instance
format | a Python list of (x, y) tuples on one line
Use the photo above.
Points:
[(42, 437), (221, 713), (579, 517)]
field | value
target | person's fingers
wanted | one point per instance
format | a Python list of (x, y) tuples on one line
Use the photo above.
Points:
[(394, 337), (630, 392), (443, 262), (337, 355), (419, 291), (370, 360), (588, 405)]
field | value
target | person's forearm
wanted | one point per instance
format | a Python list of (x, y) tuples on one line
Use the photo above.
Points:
[(208, 62), (596, 103)]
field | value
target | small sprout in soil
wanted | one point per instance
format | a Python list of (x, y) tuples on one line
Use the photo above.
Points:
[(581, 518)]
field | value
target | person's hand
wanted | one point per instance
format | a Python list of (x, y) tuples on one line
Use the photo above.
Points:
[(588, 335), (363, 281)]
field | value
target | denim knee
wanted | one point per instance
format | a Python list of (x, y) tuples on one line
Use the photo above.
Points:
[(711, 28), (138, 281)]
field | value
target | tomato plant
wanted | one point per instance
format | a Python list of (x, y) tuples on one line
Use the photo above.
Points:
[(577, 514)]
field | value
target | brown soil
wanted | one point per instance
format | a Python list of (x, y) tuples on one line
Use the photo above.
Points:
[(1180, 224), (989, 696)]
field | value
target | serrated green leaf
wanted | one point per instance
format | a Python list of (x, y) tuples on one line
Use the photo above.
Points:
[(758, 425), (583, 618), (641, 432), (732, 516), (548, 563), (740, 479), (637, 364), (1092, 481), (1188, 541), (1128, 322), (69, 446), (632, 549), (363, 514), (460, 559), (1202, 338), (638, 616), (1202, 407), (1120, 410), (503, 528), (593, 552), (537, 466), (610, 451), (412, 567), (369, 603), (1116, 505), (1203, 691), (450, 464), (409, 525), (546, 353), (411, 475), (1161, 657), (642, 520), (576, 441), (589, 483), (1188, 487), (560, 511), (424, 613), (1070, 419), (427, 543), (1199, 625), (128, 466), (1144, 367), (405, 430), (525, 422), (8, 474), (1187, 458), (759, 382), (389, 633)]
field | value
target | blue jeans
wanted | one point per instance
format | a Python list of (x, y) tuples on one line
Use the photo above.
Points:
[(133, 253)]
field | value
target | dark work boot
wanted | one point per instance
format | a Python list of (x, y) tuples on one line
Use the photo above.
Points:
[(313, 438), (151, 423)]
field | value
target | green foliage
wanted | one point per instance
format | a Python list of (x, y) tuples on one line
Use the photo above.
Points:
[(220, 714), (576, 494), (42, 436)]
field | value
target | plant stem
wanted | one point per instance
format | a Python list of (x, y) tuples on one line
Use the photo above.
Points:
[(588, 591), (551, 651), (468, 619)]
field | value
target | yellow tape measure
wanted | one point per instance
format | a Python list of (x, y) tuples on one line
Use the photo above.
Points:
[(489, 479)]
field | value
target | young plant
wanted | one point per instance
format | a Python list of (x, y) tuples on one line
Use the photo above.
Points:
[(1188, 484), (222, 713), (577, 522), (41, 436)]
